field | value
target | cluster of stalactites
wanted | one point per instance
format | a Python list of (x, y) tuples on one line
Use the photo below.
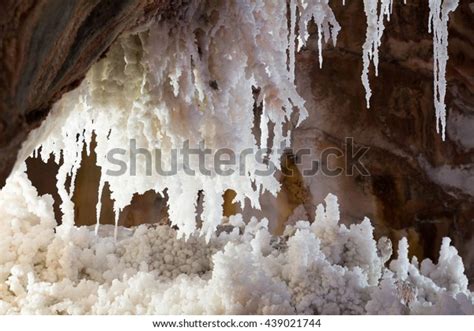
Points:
[(193, 80), (438, 25), (377, 12), (190, 80)]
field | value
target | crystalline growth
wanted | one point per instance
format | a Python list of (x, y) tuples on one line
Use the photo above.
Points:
[(438, 25), (319, 268), (376, 12), (321, 12), (185, 81)]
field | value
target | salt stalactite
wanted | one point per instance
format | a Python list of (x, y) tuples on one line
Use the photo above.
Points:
[(190, 80), (325, 20), (376, 12), (438, 25)]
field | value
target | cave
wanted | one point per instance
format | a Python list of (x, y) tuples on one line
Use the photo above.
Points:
[(350, 125)]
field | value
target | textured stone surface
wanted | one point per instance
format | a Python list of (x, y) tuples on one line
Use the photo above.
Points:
[(46, 47)]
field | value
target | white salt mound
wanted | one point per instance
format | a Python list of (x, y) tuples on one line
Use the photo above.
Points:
[(319, 268)]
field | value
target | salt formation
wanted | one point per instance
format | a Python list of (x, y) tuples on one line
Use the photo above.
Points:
[(438, 24), (323, 16), (318, 268), (376, 11), (188, 80)]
